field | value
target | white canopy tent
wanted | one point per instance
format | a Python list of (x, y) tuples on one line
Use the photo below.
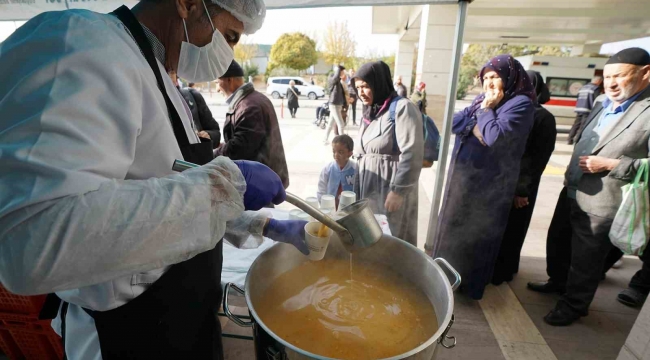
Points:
[(19, 10)]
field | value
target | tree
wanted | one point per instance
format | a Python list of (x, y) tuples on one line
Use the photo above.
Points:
[(294, 51), (245, 52), (338, 44), (553, 51), (390, 61), (251, 70), (371, 55), (465, 79)]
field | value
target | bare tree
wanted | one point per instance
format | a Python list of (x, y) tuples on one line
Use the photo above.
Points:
[(338, 44)]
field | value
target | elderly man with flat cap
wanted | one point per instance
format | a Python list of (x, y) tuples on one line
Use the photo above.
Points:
[(251, 131), (607, 155)]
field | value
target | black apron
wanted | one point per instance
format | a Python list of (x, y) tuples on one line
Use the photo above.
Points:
[(176, 317)]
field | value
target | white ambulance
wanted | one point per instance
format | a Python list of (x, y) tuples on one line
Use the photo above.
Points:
[(564, 77)]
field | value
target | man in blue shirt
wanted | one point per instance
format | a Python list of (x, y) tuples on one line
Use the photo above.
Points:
[(616, 137)]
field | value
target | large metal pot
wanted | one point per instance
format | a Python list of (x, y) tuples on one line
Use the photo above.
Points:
[(389, 252)]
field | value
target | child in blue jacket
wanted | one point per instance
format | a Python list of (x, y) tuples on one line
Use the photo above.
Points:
[(340, 174)]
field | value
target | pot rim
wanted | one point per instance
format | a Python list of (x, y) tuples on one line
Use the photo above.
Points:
[(442, 325)]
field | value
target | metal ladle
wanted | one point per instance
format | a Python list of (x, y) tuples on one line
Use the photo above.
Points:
[(357, 228)]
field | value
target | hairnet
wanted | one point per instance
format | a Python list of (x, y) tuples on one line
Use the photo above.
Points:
[(249, 12)]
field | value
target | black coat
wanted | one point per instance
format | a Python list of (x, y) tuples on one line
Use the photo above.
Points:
[(251, 132), (352, 90), (203, 120), (539, 147), (337, 95), (292, 99)]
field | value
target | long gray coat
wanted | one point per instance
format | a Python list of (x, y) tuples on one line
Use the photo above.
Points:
[(629, 140), (391, 160)]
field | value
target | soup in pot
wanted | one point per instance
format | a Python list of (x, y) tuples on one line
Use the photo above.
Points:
[(318, 308)]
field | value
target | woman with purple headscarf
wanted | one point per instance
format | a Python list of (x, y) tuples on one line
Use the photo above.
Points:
[(491, 137)]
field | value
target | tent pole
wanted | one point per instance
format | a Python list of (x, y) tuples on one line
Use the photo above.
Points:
[(446, 126)]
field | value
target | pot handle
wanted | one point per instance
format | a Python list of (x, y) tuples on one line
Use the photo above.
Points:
[(235, 318), (444, 336), (441, 261)]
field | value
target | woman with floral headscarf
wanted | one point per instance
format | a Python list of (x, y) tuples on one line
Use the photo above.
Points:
[(490, 140), (390, 152)]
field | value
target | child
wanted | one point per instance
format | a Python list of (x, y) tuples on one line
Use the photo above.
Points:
[(339, 175)]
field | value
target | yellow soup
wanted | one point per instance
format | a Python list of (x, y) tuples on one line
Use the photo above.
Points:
[(318, 308)]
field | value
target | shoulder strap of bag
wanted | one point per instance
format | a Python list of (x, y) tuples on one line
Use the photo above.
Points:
[(424, 126), (290, 88), (392, 108), (129, 20)]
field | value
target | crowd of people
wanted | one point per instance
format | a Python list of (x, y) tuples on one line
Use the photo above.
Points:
[(504, 140), (503, 143), (128, 249)]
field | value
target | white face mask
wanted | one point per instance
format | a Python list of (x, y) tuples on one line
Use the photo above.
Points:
[(207, 63)]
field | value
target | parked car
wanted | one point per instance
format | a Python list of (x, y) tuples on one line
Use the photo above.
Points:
[(277, 87)]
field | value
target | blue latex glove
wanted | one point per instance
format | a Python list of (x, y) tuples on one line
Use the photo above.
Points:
[(289, 232), (263, 186)]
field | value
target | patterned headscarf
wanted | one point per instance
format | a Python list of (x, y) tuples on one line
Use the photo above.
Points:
[(377, 76), (514, 78)]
